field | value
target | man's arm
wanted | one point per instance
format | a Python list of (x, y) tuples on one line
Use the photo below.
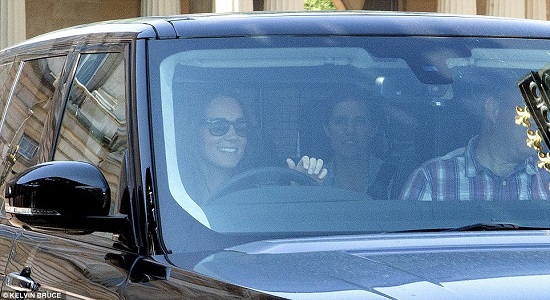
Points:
[(417, 187)]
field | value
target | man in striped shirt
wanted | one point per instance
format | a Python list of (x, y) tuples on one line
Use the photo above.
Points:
[(495, 165)]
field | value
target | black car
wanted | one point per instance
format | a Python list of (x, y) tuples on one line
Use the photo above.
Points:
[(344, 155)]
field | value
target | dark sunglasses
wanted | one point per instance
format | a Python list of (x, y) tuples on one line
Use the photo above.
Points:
[(220, 126)]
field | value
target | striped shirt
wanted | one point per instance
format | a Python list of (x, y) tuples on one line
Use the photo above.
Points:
[(459, 176)]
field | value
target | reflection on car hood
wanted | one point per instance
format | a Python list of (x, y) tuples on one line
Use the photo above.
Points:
[(501, 265)]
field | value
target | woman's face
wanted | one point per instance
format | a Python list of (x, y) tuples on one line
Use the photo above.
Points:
[(223, 149), (349, 128)]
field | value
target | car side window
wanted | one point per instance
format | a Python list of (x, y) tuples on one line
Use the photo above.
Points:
[(93, 128), (25, 113)]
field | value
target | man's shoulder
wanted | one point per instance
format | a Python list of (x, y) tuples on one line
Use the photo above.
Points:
[(460, 152)]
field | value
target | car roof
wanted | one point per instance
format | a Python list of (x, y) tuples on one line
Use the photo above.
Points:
[(357, 23), (295, 23)]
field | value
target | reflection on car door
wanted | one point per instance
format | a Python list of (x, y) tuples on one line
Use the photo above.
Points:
[(7, 237), (67, 268)]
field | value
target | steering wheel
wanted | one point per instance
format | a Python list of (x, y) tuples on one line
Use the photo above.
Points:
[(264, 176)]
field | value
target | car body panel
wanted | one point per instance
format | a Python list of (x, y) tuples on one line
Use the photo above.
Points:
[(72, 268), (8, 235), (392, 266), (181, 283), (379, 23)]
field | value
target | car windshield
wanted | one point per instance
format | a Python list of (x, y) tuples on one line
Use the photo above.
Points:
[(415, 133)]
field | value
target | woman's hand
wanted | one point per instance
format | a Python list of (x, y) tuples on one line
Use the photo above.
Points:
[(309, 165)]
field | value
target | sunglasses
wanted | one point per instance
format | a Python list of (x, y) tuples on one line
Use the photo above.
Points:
[(220, 126)]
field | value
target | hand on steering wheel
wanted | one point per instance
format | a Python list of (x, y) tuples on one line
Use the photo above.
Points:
[(311, 166)]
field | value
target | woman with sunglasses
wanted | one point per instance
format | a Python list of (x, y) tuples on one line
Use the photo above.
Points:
[(223, 140), (227, 144)]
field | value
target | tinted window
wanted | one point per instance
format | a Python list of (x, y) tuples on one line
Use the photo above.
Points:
[(375, 109), (94, 122), (25, 125)]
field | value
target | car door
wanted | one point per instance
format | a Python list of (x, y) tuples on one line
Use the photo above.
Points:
[(92, 129)]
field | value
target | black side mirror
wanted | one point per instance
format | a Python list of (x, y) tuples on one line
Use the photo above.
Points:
[(61, 195)]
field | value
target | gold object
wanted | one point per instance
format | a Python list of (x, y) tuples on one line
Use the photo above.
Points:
[(523, 116), (534, 138)]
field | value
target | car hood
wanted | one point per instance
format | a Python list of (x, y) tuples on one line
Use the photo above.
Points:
[(482, 265)]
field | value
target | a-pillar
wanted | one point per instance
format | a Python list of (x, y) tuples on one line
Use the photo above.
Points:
[(283, 5), (462, 7), (12, 22), (159, 7)]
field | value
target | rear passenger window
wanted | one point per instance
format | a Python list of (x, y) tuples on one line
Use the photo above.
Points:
[(93, 128), (25, 119)]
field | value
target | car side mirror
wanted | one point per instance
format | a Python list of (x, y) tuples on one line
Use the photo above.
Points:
[(61, 195)]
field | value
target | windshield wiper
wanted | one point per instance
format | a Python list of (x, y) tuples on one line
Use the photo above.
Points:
[(478, 227), (494, 227)]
